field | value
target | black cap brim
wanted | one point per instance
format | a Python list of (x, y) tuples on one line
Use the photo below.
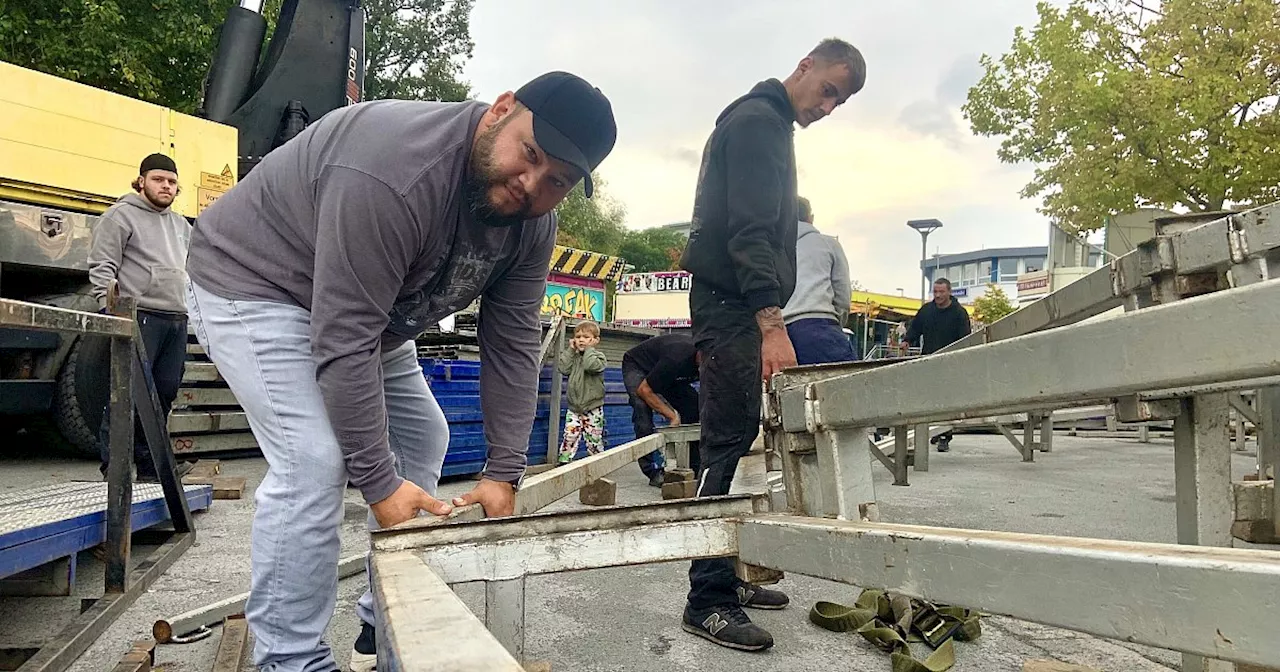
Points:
[(559, 146)]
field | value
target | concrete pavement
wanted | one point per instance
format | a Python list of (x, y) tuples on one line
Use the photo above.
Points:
[(628, 618)]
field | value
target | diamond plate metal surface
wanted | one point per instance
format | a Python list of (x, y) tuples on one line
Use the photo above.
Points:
[(26, 509)]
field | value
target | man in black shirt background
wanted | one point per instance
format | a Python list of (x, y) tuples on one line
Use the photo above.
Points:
[(940, 323), (659, 375)]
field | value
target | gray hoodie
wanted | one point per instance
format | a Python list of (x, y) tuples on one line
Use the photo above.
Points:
[(823, 288), (144, 249)]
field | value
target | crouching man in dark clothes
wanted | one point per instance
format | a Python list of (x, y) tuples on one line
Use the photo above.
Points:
[(940, 323), (742, 254), (659, 375)]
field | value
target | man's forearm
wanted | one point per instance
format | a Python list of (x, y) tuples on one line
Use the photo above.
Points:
[(769, 320), (656, 402)]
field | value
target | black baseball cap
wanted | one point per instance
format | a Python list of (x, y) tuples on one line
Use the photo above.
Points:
[(572, 121)]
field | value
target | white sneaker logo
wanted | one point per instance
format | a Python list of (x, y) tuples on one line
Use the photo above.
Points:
[(745, 594), (714, 624)]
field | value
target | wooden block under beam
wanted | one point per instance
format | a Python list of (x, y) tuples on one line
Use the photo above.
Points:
[(206, 468), (224, 487)]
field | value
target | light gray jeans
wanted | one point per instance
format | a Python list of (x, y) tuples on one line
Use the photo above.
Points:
[(263, 350)]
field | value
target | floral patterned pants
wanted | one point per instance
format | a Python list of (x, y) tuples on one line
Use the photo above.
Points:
[(589, 425)]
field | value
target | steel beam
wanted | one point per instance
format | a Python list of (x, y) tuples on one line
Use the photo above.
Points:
[(120, 467), (1091, 295), (844, 475), (47, 318), (66, 646), (1202, 488), (422, 625), (550, 486), (504, 613), (1209, 601), (588, 549), (522, 527), (899, 464), (1268, 404), (921, 435), (1139, 357), (170, 629)]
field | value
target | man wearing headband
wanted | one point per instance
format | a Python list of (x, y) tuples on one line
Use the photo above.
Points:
[(309, 281)]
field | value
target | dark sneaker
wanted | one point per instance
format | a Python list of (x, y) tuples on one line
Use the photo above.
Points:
[(757, 597), (727, 626), (944, 446), (364, 657), (656, 480)]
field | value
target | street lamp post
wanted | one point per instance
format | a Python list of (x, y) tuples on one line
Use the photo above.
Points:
[(925, 227)]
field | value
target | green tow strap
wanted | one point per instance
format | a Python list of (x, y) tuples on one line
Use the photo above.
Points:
[(891, 620)]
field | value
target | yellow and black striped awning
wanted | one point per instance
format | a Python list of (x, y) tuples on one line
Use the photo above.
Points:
[(586, 264)]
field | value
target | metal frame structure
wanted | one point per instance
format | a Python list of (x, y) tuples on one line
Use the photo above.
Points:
[(1209, 602), (130, 381)]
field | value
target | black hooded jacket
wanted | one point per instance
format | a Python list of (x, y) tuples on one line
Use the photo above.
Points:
[(742, 238)]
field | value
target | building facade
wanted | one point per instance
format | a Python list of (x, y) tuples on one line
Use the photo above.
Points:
[(971, 272)]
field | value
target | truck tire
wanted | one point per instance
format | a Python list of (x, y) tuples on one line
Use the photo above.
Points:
[(83, 392)]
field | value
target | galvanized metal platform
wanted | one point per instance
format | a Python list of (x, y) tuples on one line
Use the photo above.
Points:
[(40, 525)]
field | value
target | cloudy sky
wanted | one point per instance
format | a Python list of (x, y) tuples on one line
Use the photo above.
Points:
[(898, 150)]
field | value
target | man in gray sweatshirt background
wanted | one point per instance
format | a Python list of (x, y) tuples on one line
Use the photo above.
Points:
[(142, 244), (817, 310), (309, 281)]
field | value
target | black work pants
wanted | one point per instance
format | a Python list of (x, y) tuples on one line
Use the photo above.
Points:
[(164, 336), (682, 397), (726, 334)]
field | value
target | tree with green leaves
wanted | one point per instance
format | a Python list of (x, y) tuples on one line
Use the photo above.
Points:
[(415, 49), (992, 305), (1122, 105), (152, 50), (653, 249), (596, 224), (159, 50), (591, 223)]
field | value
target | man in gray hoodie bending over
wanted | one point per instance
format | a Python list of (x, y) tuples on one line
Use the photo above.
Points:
[(142, 245), (311, 278), (816, 312)]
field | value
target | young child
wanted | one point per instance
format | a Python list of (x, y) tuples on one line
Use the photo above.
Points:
[(585, 367)]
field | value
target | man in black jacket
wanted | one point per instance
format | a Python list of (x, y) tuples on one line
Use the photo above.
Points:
[(742, 254), (940, 323)]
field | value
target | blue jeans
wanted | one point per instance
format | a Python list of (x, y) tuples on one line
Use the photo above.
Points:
[(263, 350), (819, 341)]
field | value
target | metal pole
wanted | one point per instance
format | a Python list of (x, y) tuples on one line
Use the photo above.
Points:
[(557, 386), (119, 467), (924, 257), (1202, 485)]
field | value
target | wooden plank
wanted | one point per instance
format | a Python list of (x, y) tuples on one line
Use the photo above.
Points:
[(139, 659), (205, 467), (200, 372), (224, 487), (209, 443), (186, 422), (189, 397), (235, 635)]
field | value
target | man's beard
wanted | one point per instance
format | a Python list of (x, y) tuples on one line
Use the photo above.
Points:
[(155, 199), (483, 175)]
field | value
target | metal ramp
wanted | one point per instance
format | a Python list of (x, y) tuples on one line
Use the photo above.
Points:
[(41, 525)]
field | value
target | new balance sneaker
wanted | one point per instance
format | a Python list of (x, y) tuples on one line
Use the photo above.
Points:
[(364, 656), (727, 626), (759, 597)]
